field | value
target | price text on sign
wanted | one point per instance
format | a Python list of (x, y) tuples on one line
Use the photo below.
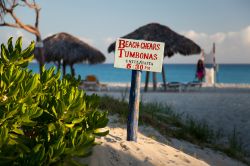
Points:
[(139, 55)]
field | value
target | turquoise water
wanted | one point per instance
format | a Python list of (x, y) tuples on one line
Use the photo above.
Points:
[(228, 73)]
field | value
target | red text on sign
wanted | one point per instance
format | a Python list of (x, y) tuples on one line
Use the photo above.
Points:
[(133, 44)]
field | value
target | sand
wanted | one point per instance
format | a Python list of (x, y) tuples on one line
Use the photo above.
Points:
[(116, 151), (225, 107)]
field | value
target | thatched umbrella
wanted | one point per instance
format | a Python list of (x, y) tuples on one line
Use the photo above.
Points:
[(174, 43), (63, 47)]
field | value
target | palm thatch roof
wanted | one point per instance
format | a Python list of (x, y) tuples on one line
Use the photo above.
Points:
[(71, 50), (174, 43)]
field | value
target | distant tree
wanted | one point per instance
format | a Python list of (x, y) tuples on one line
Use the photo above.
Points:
[(8, 8)]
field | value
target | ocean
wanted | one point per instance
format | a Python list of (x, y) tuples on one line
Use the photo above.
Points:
[(227, 73)]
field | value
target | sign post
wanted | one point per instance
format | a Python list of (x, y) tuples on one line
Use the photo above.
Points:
[(137, 55), (134, 101)]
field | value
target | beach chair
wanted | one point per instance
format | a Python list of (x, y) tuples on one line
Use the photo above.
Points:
[(193, 85), (175, 86), (91, 83)]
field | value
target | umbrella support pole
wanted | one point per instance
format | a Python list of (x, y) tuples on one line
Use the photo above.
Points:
[(146, 81), (164, 78), (72, 70), (154, 81), (64, 68), (59, 66), (134, 101)]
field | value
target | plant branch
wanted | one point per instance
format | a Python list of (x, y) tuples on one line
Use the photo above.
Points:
[(10, 25), (23, 26), (30, 5), (19, 24)]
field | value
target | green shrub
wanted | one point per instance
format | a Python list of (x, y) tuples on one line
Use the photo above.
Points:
[(235, 147), (197, 131), (43, 120)]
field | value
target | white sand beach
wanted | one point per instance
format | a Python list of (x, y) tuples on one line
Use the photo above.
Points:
[(151, 149), (224, 107)]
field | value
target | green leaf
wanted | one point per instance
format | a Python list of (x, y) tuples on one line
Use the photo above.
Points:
[(10, 45), (61, 105), (37, 148), (3, 136), (41, 154), (4, 54), (57, 76), (74, 134), (26, 99), (51, 152), (13, 112), (1, 69), (60, 150), (70, 125), (21, 77), (79, 120), (54, 111), (24, 62), (36, 114), (27, 122), (32, 83), (101, 120), (28, 51), (51, 127), (18, 45), (23, 147), (77, 106), (99, 132), (13, 91), (18, 131)]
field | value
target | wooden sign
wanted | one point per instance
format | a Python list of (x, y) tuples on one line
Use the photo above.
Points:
[(139, 55)]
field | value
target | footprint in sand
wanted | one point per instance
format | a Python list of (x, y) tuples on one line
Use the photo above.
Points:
[(124, 147), (147, 159), (183, 158), (115, 137), (110, 140)]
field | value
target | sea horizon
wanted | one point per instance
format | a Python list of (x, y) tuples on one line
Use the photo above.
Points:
[(227, 73), (109, 63)]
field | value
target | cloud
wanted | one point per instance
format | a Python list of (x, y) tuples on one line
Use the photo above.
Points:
[(109, 40), (194, 35), (218, 37), (246, 36), (231, 47)]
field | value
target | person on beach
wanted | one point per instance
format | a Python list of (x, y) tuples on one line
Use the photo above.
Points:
[(200, 70)]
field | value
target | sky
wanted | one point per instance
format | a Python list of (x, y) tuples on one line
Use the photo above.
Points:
[(101, 22)]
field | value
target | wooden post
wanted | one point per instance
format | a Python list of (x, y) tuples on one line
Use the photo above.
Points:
[(134, 101), (146, 81), (64, 68), (72, 70), (164, 78), (154, 81), (41, 62), (59, 65), (40, 48)]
